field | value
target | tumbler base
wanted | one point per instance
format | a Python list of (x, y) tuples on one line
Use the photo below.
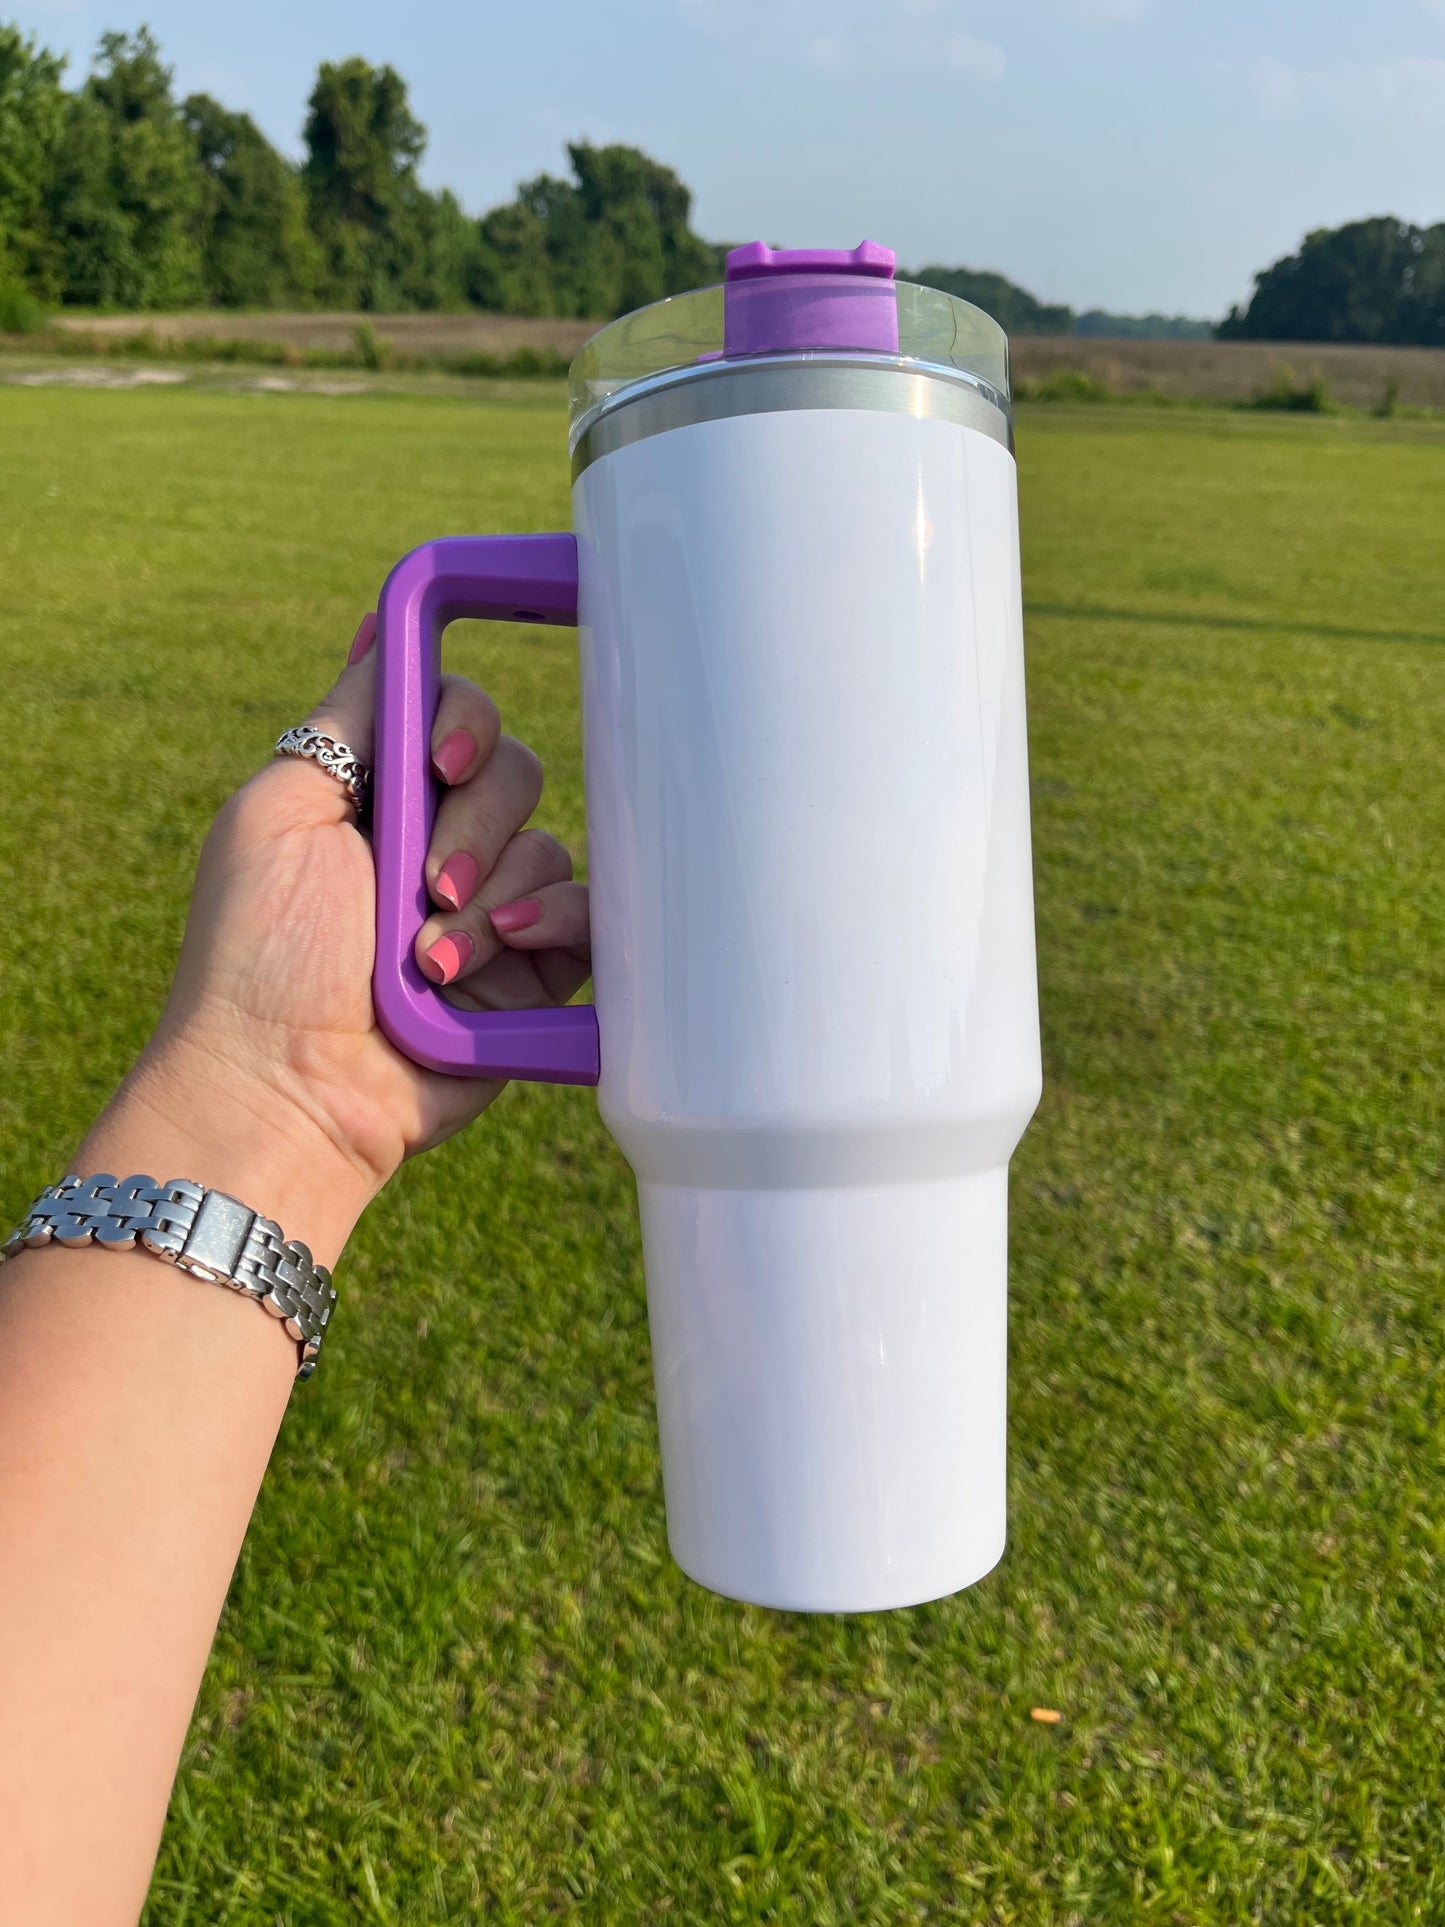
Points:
[(831, 1387)]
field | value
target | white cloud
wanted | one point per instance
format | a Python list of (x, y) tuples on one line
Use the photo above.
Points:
[(1272, 85), (1408, 84), (1110, 13), (831, 52), (1417, 79), (839, 36), (710, 17), (983, 58)]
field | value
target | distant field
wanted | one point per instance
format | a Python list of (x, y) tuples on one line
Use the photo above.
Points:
[(1221, 370), (458, 1678), (420, 334), (1236, 370)]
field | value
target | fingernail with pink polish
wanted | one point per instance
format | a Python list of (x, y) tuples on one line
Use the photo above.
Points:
[(456, 879), (521, 915), (453, 754), (363, 639), (448, 957)]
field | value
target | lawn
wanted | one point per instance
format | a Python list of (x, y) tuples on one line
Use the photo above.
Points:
[(458, 1677)]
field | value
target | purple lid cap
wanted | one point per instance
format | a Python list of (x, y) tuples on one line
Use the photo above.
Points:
[(779, 301)]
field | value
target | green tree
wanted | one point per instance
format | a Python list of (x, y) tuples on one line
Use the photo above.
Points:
[(1376, 280), (638, 213), (518, 275), (387, 242), (1015, 310), (614, 238), (114, 196), (256, 249), (32, 127), (363, 145), (455, 261), (1423, 309), (127, 202)]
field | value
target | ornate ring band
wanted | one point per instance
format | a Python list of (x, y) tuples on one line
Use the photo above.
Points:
[(335, 758)]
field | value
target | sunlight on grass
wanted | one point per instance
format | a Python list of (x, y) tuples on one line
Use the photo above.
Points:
[(458, 1677)]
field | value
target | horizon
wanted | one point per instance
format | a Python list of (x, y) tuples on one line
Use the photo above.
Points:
[(1182, 195)]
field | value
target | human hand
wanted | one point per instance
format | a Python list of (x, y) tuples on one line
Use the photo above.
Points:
[(270, 1025), (131, 1446)]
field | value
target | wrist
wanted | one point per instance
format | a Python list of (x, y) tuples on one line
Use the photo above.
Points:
[(184, 1112)]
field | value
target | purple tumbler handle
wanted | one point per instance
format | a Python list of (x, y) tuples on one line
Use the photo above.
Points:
[(507, 578)]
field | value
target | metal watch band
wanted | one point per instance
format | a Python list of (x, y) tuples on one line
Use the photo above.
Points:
[(207, 1233)]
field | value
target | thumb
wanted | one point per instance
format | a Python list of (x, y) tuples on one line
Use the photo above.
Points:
[(347, 711), (345, 714)]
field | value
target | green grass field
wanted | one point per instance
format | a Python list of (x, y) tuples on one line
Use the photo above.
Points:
[(458, 1677)]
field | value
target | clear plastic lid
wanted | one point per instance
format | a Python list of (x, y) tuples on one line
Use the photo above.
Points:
[(686, 333)]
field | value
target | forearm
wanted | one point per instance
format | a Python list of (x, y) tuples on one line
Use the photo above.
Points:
[(138, 1405), (138, 1409)]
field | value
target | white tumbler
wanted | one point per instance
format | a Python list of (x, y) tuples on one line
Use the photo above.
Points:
[(796, 582)]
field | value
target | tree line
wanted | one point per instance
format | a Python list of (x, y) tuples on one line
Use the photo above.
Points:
[(1376, 280), (1379, 280), (116, 195)]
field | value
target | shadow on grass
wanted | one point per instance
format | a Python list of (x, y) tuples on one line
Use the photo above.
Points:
[(1335, 632)]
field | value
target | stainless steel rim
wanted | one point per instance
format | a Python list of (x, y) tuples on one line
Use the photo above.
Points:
[(691, 395)]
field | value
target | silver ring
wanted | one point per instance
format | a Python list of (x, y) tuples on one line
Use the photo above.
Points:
[(335, 758)]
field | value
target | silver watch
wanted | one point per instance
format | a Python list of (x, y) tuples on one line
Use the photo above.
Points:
[(207, 1233)]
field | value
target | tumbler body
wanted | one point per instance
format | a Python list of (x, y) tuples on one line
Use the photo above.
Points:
[(808, 845)]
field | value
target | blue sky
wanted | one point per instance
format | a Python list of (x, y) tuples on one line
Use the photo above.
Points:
[(1130, 154)]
